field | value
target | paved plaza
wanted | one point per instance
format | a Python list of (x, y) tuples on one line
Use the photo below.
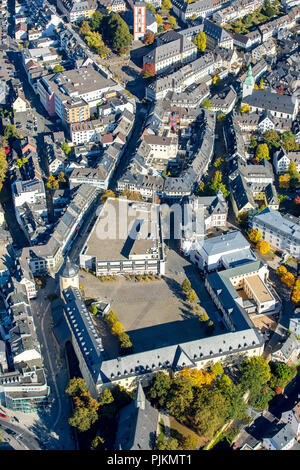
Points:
[(154, 313)]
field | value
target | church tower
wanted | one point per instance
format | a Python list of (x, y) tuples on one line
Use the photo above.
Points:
[(248, 84), (69, 276)]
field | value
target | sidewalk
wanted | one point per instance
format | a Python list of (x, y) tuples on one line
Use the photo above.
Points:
[(166, 420)]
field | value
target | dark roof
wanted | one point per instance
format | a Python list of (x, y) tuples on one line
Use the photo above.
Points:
[(70, 269), (137, 424), (271, 101)]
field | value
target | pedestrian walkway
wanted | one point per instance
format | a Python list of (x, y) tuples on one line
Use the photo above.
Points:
[(165, 418)]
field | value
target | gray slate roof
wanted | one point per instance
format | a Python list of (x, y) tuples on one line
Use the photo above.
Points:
[(137, 424)]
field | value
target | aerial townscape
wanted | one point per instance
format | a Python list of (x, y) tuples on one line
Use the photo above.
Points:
[(149, 225)]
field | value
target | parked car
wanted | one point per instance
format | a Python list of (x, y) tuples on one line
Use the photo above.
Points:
[(3, 416)]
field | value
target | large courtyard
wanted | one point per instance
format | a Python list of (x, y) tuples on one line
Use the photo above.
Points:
[(154, 313)]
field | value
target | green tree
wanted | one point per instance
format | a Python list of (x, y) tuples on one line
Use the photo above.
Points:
[(210, 411), (180, 397), (203, 317), (150, 8), (83, 418), (21, 161), (192, 296), (10, 132), (206, 103), (217, 184), (218, 162), (253, 143), (61, 177), (58, 68), (170, 444), (117, 33), (272, 138), (237, 407), (190, 442), (282, 372), (217, 369), (254, 235), (84, 28), (106, 397), (186, 286), (281, 198), (94, 41), (160, 388), (268, 9), (76, 387), (117, 328), (260, 400), (172, 21), (111, 318), (255, 373), (292, 169), (96, 21), (288, 141), (221, 117), (262, 151), (97, 443), (125, 342), (200, 41), (166, 5), (224, 384), (66, 148), (94, 310), (159, 19)]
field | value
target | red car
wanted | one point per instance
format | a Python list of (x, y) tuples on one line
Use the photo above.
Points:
[(2, 415)]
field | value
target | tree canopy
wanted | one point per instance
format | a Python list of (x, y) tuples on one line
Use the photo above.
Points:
[(255, 373), (160, 388), (117, 33), (148, 70), (254, 235), (200, 41), (262, 151)]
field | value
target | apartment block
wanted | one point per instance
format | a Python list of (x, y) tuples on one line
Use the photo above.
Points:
[(281, 231)]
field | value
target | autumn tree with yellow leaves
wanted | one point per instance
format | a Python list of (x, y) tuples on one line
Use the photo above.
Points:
[(199, 378), (254, 235), (263, 247), (288, 279), (296, 292)]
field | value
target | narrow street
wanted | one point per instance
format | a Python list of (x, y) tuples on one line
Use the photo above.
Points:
[(55, 422)]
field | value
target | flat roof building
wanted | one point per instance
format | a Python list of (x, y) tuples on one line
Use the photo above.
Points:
[(126, 238)]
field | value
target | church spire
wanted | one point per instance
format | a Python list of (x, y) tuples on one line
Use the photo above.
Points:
[(248, 84), (140, 398)]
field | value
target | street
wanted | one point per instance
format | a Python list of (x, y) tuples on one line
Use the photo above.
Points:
[(25, 440), (56, 421)]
